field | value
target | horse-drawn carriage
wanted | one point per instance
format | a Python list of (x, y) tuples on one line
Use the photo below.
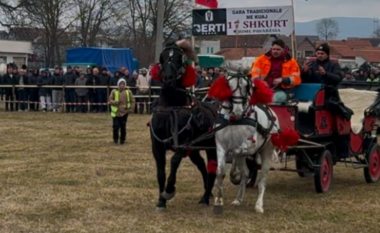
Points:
[(310, 128), (323, 131)]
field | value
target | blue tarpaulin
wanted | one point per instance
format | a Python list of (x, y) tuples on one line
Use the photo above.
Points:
[(110, 58)]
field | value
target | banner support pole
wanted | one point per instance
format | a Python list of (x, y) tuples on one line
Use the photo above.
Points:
[(293, 36)]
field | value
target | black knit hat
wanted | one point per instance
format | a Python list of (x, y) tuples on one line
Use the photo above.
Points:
[(325, 48)]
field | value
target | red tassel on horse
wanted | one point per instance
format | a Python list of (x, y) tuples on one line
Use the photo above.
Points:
[(155, 72), (262, 94), (190, 77), (220, 90), (284, 139)]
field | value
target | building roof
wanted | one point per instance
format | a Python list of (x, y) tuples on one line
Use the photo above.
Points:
[(238, 53), (372, 56)]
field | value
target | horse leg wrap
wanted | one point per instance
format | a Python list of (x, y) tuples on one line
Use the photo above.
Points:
[(212, 166)]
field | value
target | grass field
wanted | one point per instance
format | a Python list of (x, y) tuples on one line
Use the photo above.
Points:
[(62, 173)]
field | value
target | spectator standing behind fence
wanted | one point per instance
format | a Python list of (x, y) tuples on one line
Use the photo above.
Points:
[(142, 84), (93, 81), (16, 75), (9, 79), (69, 80), (373, 79), (115, 79), (81, 93), (131, 82), (44, 93), (57, 80), (22, 90), (33, 92), (104, 80), (122, 102)]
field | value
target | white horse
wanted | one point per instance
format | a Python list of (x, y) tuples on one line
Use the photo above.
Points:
[(248, 134)]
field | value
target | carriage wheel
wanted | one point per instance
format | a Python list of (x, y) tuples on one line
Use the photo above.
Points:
[(372, 172), (323, 174)]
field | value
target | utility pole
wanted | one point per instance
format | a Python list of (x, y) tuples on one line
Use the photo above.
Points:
[(160, 29)]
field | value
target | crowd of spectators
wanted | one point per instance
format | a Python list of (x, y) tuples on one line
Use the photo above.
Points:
[(41, 90)]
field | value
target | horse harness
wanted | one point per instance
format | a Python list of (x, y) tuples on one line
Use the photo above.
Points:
[(246, 120), (195, 115)]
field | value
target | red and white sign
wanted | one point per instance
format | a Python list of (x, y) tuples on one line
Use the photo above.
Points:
[(260, 20)]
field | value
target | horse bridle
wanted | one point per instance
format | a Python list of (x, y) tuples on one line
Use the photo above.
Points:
[(242, 99), (180, 71)]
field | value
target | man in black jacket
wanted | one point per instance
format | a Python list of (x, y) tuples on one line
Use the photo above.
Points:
[(69, 80), (33, 92), (57, 80), (22, 92), (322, 70), (104, 80), (9, 79), (329, 73)]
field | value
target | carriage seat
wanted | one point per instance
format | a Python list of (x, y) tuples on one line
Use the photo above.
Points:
[(306, 94), (358, 101)]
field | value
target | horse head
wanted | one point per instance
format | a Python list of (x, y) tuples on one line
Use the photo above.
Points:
[(240, 86), (234, 93), (174, 69)]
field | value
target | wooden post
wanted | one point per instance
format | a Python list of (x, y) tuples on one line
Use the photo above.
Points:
[(64, 99)]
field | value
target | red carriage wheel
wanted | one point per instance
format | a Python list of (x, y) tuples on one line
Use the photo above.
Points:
[(372, 172), (323, 174)]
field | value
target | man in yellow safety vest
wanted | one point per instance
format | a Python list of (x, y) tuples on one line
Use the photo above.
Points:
[(122, 102)]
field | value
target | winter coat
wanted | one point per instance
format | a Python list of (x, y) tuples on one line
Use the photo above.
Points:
[(43, 81), (69, 79), (332, 77), (81, 91), (57, 80)]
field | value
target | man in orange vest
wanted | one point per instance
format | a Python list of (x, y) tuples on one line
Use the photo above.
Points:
[(278, 69)]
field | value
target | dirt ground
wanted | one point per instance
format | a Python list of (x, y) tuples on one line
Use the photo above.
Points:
[(62, 173)]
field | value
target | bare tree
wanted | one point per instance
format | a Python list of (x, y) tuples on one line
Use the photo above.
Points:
[(49, 18), (93, 16), (327, 29), (140, 29)]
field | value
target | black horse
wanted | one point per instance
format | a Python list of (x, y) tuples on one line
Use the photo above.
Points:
[(179, 119)]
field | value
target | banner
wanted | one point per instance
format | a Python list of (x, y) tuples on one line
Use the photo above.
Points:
[(260, 20), (243, 21), (209, 22)]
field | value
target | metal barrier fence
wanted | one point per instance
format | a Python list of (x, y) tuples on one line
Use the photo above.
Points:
[(361, 85), (149, 96)]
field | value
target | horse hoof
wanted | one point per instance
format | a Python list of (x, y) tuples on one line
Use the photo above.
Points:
[(161, 206), (160, 209), (236, 203), (167, 196), (218, 209), (204, 202), (259, 210)]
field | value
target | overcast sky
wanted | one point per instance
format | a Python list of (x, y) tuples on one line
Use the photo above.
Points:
[(316, 9)]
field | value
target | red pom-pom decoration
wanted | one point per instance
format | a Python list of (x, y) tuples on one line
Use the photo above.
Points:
[(284, 139), (190, 77), (155, 72), (220, 90), (262, 94), (212, 166)]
